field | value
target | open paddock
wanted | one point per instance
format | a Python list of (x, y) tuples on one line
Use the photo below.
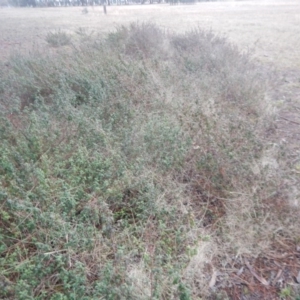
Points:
[(270, 29)]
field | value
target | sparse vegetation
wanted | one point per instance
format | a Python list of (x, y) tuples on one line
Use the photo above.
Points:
[(134, 166)]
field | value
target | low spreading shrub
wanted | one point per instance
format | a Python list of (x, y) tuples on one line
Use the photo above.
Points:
[(113, 156)]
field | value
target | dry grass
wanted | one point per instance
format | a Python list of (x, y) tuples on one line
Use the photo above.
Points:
[(271, 28)]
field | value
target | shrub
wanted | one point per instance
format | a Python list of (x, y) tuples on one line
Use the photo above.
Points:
[(112, 158)]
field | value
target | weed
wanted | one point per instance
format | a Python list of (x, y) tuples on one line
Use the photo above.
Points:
[(285, 293)]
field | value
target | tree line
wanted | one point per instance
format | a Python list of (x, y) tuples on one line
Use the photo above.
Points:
[(54, 3)]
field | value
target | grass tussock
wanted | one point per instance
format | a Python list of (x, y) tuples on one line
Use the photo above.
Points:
[(58, 38), (130, 165)]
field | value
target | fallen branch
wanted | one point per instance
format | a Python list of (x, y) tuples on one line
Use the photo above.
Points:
[(260, 279), (290, 120)]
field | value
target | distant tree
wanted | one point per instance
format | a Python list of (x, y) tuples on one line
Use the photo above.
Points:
[(3, 3), (23, 3)]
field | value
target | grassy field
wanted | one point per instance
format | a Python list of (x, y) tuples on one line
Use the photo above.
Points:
[(270, 28), (150, 160)]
